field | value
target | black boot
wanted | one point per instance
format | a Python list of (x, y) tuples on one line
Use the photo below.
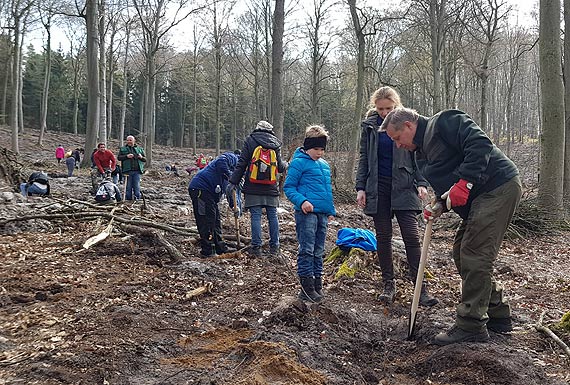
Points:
[(308, 292), (319, 286), (426, 299), (389, 292)]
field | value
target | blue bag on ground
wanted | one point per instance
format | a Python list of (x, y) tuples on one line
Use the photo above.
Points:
[(361, 238)]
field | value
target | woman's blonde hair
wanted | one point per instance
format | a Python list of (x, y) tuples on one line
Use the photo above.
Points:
[(316, 131), (385, 93)]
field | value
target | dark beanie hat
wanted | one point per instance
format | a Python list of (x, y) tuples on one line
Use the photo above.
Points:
[(317, 142)]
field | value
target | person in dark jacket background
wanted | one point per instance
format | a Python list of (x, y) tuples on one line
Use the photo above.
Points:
[(206, 189), (260, 196), (389, 184), (470, 175)]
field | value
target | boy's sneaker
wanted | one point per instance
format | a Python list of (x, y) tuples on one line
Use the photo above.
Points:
[(207, 254), (500, 325), (255, 251), (456, 335), (274, 250)]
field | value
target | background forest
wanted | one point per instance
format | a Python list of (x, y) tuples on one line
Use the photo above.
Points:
[(199, 74)]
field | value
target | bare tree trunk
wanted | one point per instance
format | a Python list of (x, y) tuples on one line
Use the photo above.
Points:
[(7, 79), (102, 75), (551, 86), (45, 93), (14, 109), (21, 87), (355, 130), (194, 93), (436, 16), (566, 184), (111, 69), (93, 101), (266, 30), (277, 107), (125, 86)]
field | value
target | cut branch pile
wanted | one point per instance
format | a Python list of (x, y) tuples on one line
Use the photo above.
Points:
[(121, 216)]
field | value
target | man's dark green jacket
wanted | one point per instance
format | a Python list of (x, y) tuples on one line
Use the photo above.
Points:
[(452, 146)]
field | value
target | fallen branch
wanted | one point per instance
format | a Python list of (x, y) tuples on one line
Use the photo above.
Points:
[(544, 329), (99, 237), (95, 214), (206, 288)]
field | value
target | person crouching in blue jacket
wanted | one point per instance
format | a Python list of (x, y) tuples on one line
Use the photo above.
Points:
[(206, 189), (308, 187)]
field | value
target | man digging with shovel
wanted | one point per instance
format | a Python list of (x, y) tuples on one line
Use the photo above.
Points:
[(470, 175)]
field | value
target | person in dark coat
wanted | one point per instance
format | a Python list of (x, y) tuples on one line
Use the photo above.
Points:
[(388, 184), (205, 190), (470, 175), (260, 196)]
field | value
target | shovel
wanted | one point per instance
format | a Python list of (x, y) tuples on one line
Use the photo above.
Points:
[(236, 217), (125, 180), (420, 278)]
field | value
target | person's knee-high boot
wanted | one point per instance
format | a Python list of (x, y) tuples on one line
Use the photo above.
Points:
[(308, 292)]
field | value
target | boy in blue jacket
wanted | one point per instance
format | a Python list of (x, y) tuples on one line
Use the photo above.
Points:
[(308, 187), (206, 189)]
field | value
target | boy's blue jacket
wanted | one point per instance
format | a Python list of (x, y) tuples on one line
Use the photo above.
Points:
[(217, 172), (309, 180)]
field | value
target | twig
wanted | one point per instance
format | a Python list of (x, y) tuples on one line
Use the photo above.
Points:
[(544, 329)]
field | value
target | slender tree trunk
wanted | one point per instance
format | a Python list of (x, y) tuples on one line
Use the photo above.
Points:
[(111, 69), (552, 90), (277, 107), (93, 101), (125, 87), (355, 131), (102, 75), (45, 93), (14, 109), (193, 143), (21, 83), (566, 184), (7, 79)]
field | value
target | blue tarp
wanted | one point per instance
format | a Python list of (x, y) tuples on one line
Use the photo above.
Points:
[(361, 238)]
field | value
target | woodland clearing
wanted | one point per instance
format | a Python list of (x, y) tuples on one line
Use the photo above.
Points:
[(123, 312)]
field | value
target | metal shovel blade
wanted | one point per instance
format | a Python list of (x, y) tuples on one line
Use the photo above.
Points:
[(419, 279)]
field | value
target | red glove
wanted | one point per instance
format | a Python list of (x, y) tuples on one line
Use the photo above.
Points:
[(433, 211), (458, 194)]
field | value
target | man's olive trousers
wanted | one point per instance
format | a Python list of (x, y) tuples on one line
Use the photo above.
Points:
[(475, 250)]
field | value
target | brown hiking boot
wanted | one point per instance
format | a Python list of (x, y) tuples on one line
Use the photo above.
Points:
[(457, 335)]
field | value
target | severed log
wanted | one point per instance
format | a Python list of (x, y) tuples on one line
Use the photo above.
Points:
[(544, 329), (173, 252), (206, 288)]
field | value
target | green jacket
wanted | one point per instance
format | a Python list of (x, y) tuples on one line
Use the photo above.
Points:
[(452, 147), (130, 164)]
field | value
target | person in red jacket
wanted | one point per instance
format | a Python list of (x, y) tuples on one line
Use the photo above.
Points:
[(104, 159)]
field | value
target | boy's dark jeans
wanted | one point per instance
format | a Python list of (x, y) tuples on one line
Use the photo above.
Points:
[(311, 233)]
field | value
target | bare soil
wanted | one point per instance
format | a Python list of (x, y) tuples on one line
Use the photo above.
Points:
[(121, 312)]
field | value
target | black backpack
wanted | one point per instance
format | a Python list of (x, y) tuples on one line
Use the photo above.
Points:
[(105, 192), (40, 177)]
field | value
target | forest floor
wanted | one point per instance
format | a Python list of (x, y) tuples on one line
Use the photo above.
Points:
[(121, 313)]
